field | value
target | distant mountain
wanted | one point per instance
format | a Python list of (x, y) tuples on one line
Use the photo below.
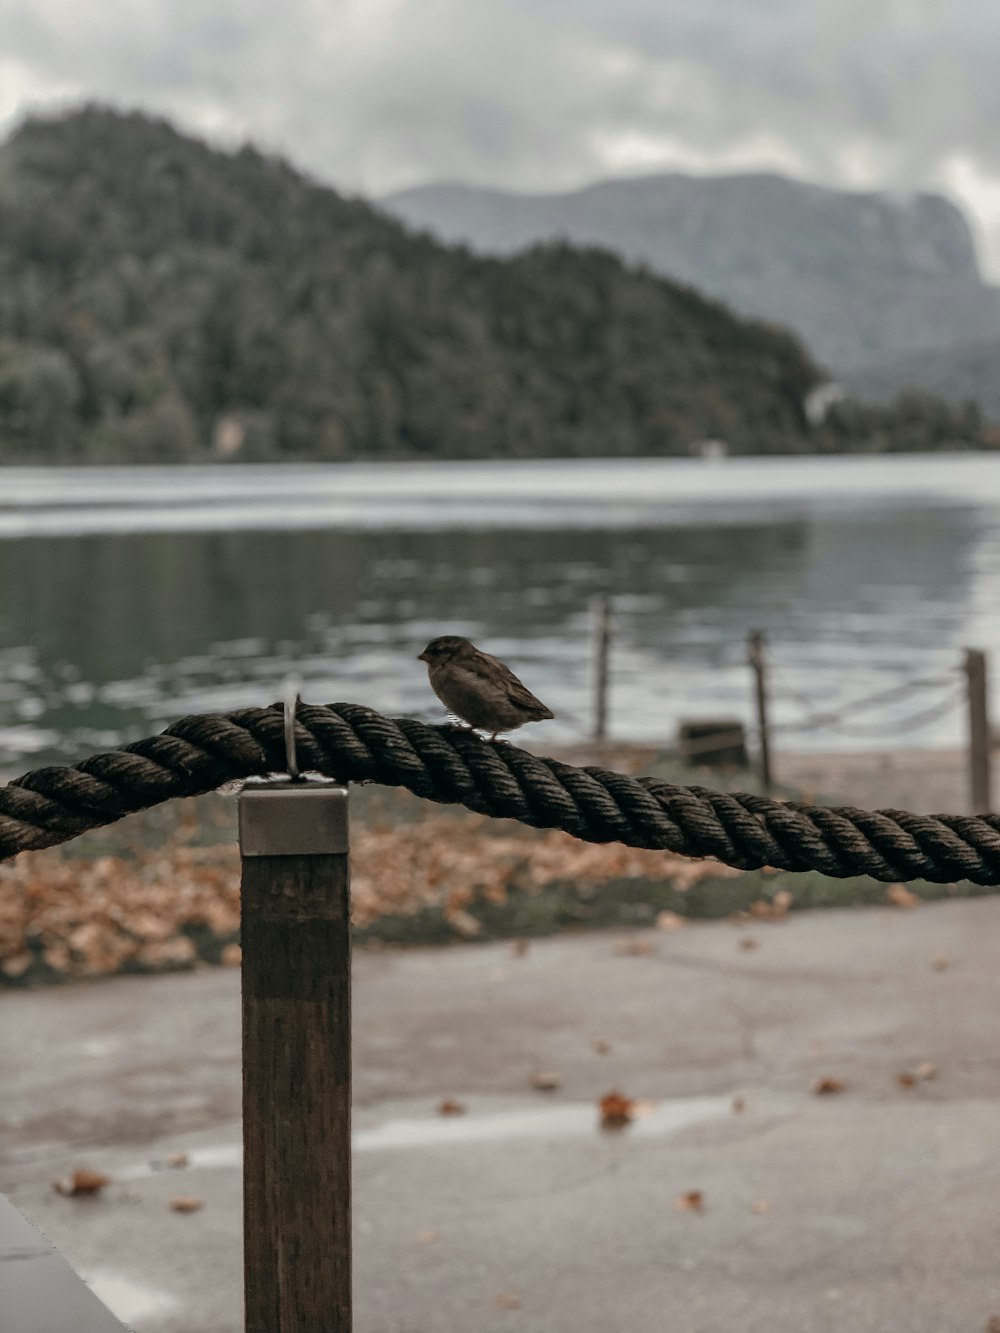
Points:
[(162, 301), (970, 371), (863, 278)]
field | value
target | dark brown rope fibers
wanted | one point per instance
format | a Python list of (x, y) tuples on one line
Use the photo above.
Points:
[(456, 767)]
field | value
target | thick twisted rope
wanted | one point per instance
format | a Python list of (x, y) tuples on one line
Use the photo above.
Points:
[(452, 766)]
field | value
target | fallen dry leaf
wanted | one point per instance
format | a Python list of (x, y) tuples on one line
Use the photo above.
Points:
[(827, 1085), (907, 1080), (464, 923), (519, 948), (616, 1109), (993, 1326), (739, 1105), (691, 1201), (177, 1159), (773, 909), (602, 1047), (426, 1237), (748, 942), (670, 921), (940, 962), (546, 1080), (91, 915), (637, 948), (451, 1107), (82, 1181), (506, 1300), (927, 1069), (760, 1206), (169, 905), (446, 860), (186, 1203), (900, 896), (16, 965)]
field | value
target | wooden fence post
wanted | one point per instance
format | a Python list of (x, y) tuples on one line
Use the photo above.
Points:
[(758, 664), (979, 731), (296, 1057), (601, 613)]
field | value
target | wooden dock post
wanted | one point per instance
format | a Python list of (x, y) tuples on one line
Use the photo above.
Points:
[(296, 1057), (601, 613), (758, 664), (979, 731)]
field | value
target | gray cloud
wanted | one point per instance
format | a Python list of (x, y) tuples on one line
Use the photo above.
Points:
[(377, 94)]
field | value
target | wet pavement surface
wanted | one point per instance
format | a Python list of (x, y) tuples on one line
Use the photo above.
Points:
[(869, 1210)]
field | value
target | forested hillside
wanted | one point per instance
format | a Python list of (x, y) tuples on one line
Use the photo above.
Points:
[(162, 301), (863, 278)]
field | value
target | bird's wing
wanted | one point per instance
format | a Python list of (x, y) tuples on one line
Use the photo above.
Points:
[(499, 673)]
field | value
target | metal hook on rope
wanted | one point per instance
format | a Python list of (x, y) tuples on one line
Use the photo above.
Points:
[(292, 699)]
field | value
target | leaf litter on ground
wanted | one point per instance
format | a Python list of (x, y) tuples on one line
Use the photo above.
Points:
[(546, 1080), (616, 1110), (187, 1203), (909, 1078), (898, 895), (63, 914), (772, 909), (83, 1182), (828, 1085)]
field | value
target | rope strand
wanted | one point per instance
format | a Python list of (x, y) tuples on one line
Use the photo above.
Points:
[(453, 766)]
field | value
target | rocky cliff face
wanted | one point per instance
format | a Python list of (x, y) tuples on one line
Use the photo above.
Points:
[(968, 372), (864, 278)]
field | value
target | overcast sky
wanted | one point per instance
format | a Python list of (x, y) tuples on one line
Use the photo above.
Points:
[(373, 95)]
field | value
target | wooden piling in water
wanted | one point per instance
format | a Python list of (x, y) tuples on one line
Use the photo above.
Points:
[(979, 731), (601, 613), (758, 665)]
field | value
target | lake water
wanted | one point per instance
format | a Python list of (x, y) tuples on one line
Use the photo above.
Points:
[(129, 597)]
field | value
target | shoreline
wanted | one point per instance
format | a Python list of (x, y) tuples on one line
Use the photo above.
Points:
[(30, 464)]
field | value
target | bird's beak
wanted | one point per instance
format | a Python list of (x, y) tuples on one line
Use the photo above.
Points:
[(422, 657)]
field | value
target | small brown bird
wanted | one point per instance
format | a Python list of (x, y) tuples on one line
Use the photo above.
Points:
[(478, 688)]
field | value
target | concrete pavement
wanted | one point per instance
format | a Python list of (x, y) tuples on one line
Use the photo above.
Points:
[(875, 1209)]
